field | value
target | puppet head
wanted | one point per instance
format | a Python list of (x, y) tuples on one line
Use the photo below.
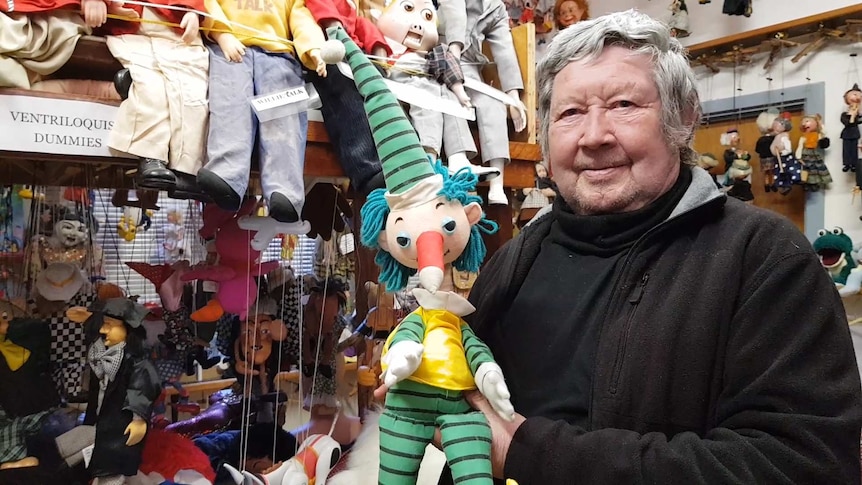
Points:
[(70, 233), (853, 96), (782, 124), (425, 219), (258, 331), (117, 320), (834, 248), (707, 161), (8, 311), (411, 23), (569, 12), (811, 124), (765, 120), (730, 138)]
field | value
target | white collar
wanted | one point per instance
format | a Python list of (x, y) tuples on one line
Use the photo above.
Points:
[(443, 300)]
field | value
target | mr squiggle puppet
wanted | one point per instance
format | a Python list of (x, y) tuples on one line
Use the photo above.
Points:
[(426, 221)]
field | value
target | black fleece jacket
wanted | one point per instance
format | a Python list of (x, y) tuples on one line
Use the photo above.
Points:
[(724, 357)]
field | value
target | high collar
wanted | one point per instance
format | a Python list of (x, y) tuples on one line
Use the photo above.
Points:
[(443, 300)]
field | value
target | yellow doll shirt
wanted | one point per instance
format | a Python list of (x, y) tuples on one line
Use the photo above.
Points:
[(272, 19)]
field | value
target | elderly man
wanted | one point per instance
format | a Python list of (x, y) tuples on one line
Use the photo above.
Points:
[(652, 330)]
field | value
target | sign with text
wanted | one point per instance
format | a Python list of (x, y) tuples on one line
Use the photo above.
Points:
[(285, 103), (50, 125)]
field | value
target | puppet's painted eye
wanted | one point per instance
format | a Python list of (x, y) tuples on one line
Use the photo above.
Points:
[(403, 239), (821, 232), (428, 15), (449, 225), (837, 231), (408, 7)]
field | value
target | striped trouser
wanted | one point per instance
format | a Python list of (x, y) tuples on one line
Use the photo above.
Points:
[(412, 412)]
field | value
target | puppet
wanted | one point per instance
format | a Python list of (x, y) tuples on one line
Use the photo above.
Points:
[(237, 264), (315, 458), (426, 222), (708, 162), (411, 30), (764, 123), (731, 140), (788, 170), (850, 132), (835, 250), (175, 234), (810, 152), (244, 64), (68, 243), (739, 173), (678, 22), (27, 392), (570, 12), (163, 117), (487, 23), (343, 116), (322, 325), (123, 386)]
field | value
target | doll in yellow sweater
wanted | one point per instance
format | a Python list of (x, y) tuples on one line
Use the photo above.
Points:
[(246, 63)]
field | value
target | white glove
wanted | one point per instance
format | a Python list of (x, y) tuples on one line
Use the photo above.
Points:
[(489, 381), (402, 360)]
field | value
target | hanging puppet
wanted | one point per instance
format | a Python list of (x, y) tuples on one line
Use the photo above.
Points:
[(731, 140), (740, 187), (244, 64), (411, 30), (810, 152), (678, 22), (123, 386), (788, 170), (850, 132), (426, 221), (708, 162), (175, 234), (763, 148), (487, 23)]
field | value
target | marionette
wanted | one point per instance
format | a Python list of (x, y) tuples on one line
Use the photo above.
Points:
[(739, 173), (163, 117), (731, 140), (411, 30), (27, 393), (810, 150), (123, 386), (788, 170), (678, 22), (850, 132), (68, 243), (426, 221), (708, 162), (763, 148), (252, 57), (487, 22), (314, 459), (737, 7), (343, 116), (570, 12), (175, 234)]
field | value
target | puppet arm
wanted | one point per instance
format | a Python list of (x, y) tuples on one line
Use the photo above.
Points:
[(95, 12), (191, 27), (455, 26), (404, 353), (231, 47), (307, 37), (487, 373), (210, 273), (799, 147), (144, 388)]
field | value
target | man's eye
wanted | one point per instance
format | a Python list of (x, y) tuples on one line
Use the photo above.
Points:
[(570, 112), (624, 104)]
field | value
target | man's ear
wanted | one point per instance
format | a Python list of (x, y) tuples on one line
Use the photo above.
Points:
[(78, 314), (474, 212), (381, 240)]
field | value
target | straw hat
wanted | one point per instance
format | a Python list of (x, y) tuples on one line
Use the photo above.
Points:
[(59, 281)]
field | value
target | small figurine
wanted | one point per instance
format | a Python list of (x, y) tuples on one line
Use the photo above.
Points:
[(678, 22), (739, 172), (810, 152), (731, 140), (763, 148), (850, 133)]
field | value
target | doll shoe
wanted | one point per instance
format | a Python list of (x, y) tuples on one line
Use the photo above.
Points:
[(187, 188), (282, 209), (154, 174), (123, 82), (222, 194)]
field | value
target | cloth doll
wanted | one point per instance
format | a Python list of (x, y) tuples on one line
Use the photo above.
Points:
[(243, 64), (810, 150), (123, 386), (27, 392), (762, 148), (163, 117), (835, 250), (788, 170), (411, 30), (850, 132), (426, 222), (678, 22), (487, 21), (343, 116)]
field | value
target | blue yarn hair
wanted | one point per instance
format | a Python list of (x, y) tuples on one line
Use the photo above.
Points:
[(455, 187)]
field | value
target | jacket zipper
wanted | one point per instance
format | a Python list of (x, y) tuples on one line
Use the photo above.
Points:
[(624, 336)]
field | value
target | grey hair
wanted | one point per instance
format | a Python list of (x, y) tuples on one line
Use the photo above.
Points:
[(642, 34)]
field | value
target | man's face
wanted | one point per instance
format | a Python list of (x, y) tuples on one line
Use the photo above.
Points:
[(606, 147)]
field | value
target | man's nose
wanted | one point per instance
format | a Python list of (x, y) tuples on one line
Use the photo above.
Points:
[(598, 130)]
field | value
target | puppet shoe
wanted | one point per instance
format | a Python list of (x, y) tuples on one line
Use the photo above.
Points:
[(221, 192), (187, 188), (123, 82), (497, 196), (282, 209), (154, 174)]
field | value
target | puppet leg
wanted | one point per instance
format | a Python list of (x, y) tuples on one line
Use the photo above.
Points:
[(282, 140), (232, 129), (491, 120), (466, 440), (406, 427), (347, 126)]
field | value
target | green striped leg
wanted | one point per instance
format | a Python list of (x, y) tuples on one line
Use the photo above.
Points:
[(402, 446), (467, 445)]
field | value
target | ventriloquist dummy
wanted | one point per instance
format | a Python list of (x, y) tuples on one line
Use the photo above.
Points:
[(810, 151), (788, 170), (343, 116), (764, 123), (163, 119), (244, 64), (411, 30), (488, 21), (850, 132), (123, 386), (426, 221), (27, 392)]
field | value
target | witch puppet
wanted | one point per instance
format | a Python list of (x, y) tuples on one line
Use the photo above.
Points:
[(426, 221), (123, 386)]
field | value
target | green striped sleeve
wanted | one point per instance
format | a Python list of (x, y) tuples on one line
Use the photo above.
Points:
[(476, 351), (411, 328)]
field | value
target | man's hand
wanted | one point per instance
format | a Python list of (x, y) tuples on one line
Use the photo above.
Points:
[(502, 431), (231, 46), (518, 112), (191, 27), (321, 66), (95, 12), (403, 359), (136, 430)]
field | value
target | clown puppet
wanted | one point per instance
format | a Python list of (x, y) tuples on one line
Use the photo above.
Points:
[(426, 221)]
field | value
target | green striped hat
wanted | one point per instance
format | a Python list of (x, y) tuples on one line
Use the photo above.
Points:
[(405, 163)]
